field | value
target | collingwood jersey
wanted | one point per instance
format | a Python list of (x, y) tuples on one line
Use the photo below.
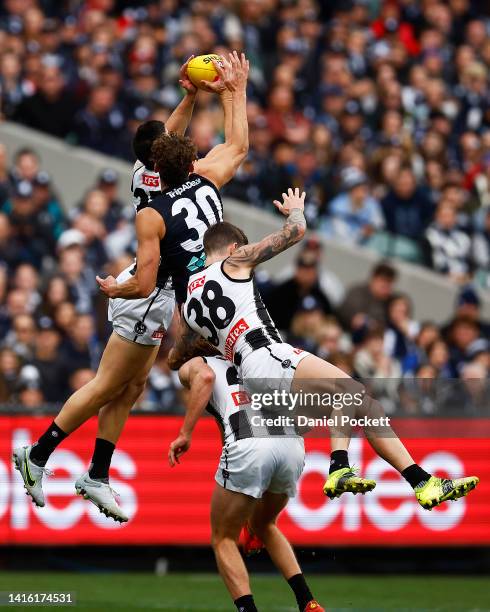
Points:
[(145, 185), (231, 406), (228, 312), (187, 211)]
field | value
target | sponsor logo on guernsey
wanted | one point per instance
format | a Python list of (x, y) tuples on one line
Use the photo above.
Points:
[(151, 181), (195, 284), (236, 331), (159, 333), (240, 398), (298, 351), (187, 185)]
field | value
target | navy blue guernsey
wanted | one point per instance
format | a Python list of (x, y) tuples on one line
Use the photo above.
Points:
[(187, 211)]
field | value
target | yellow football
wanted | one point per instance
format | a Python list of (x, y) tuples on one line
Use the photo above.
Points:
[(201, 68)]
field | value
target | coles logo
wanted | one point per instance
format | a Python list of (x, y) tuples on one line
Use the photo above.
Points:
[(151, 181), (298, 351), (240, 398), (195, 284), (236, 331)]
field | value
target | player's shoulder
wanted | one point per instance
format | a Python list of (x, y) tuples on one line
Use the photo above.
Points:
[(144, 177)]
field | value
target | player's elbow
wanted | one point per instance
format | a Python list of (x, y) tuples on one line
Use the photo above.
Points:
[(206, 377), (145, 290)]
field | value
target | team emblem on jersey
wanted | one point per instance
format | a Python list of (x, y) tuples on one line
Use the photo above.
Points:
[(286, 364), (139, 328), (196, 263)]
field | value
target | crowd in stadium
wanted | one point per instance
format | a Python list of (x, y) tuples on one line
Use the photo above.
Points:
[(379, 110)]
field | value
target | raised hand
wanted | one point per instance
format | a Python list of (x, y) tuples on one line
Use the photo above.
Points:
[(184, 80), (291, 199)]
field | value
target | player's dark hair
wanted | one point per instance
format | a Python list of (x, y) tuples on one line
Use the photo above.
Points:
[(173, 156), (143, 140), (219, 236)]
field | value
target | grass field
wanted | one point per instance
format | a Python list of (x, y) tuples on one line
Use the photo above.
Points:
[(205, 592)]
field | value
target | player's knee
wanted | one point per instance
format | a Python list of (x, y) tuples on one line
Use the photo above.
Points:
[(262, 528), (136, 388)]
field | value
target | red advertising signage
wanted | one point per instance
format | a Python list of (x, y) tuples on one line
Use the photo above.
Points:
[(171, 506)]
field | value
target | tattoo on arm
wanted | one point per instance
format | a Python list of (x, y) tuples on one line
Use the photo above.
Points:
[(251, 255)]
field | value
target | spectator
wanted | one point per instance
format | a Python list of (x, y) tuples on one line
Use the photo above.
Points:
[(399, 338), (449, 249), (354, 215), (51, 108), (80, 350), (406, 208), (304, 283), (365, 304), (48, 362), (100, 124)]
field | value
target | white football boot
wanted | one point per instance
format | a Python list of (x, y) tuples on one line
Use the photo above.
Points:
[(31, 473), (102, 495)]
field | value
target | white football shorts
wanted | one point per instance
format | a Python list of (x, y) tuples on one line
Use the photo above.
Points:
[(253, 466), (270, 368), (144, 321)]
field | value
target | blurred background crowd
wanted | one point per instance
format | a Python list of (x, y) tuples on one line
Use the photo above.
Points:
[(380, 110)]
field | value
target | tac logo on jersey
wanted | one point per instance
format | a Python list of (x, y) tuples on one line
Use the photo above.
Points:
[(235, 332), (196, 263), (159, 333), (199, 282), (240, 398), (151, 181)]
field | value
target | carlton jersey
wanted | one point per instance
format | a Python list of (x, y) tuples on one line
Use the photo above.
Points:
[(187, 211), (145, 185), (229, 313), (230, 405)]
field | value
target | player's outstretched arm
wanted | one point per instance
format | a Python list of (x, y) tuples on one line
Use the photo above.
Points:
[(198, 377), (179, 120), (244, 259), (221, 163), (150, 229)]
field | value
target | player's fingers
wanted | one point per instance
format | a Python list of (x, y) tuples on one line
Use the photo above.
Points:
[(290, 193), (278, 205), (99, 280), (303, 196), (218, 68), (284, 196)]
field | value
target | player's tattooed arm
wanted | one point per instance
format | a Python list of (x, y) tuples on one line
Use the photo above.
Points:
[(293, 230)]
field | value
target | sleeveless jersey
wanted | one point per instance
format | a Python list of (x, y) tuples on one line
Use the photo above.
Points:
[(229, 313), (187, 211), (145, 185), (231, 406)]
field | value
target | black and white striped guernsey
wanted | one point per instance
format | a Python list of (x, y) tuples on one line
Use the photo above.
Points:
[(229, 313)]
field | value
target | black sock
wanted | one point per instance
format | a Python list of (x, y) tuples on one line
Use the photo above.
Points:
[(245, 604), (101, 459), (338, 459), (46, 444), (301, 590), (415, 475)]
